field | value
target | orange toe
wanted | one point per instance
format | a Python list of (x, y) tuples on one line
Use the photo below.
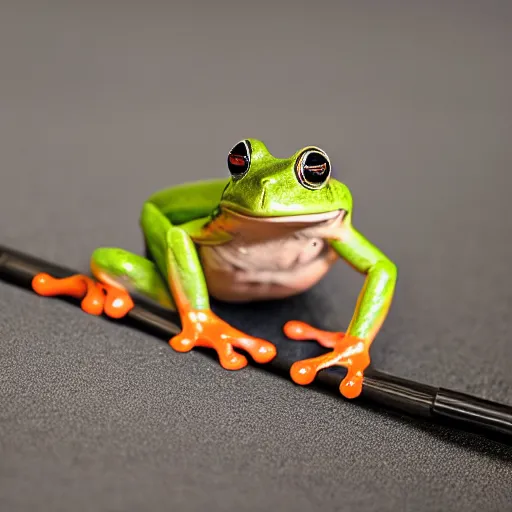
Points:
[(352, 386), (300, 331), (265, 353), (303, 373), (233, 361), (296, 330), (182, 343)]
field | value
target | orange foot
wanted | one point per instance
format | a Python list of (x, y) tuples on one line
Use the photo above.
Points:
[(202, 328), (348, 351), (97, 298)]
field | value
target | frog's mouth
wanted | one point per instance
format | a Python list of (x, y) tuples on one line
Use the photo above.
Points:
[(300, 219)]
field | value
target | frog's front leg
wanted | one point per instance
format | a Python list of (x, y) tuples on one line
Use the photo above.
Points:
[(176, 256), (351, 349)]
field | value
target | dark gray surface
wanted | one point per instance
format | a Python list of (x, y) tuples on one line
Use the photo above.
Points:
[(103, 103)]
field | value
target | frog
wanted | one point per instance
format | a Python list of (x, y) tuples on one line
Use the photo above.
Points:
[(270, 229)]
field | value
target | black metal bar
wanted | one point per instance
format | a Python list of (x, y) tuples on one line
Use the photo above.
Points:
[(392, 393)]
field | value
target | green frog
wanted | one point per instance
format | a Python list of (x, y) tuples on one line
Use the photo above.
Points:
[(271, 229)]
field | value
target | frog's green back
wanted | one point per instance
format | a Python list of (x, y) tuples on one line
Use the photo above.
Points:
[(189, 201)]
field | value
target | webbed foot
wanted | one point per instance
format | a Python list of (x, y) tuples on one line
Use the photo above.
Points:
[(203, 328), (348, 351), (97, 298)]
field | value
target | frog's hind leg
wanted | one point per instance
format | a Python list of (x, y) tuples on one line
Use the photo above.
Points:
[(133, 273), (120, 277)]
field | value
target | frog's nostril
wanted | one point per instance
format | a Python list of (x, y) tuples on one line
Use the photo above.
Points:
[(263, 197), (265, 183)]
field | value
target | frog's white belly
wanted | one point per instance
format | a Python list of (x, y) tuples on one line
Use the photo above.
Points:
[(247, 269)]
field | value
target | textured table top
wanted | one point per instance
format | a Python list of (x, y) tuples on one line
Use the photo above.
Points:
[(102, 104)]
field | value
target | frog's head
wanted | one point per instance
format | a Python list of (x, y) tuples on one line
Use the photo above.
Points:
[(262, 185)]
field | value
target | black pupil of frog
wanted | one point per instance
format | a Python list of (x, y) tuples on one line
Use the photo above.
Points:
[(238, 159), (315, 169)]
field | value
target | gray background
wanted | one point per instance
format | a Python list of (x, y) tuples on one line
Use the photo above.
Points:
[(102, 103)]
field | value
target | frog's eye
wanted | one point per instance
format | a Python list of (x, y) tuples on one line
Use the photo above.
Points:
[(313, 168), (239, 159)]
